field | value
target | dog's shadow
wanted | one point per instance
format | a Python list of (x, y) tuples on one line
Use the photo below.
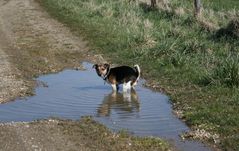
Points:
[(122, 103)]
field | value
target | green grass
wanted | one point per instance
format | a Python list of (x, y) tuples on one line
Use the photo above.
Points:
[(217, 5), (198, 69), (221, 4)]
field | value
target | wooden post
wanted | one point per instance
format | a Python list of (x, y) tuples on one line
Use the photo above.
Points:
[(153, 3), (197, 5)]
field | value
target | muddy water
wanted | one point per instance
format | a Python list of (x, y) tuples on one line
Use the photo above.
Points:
[(72, 94)]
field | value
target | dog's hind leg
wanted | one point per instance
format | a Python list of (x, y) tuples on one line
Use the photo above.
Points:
[(126, 86), (133, 85)]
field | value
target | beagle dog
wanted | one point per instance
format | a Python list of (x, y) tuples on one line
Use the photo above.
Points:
[(125, 75)]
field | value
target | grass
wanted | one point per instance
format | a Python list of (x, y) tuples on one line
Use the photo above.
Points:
[(216, 5), (221, 4), (197, 68)]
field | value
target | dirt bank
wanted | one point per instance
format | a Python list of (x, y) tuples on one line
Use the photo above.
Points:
[(64, 135)]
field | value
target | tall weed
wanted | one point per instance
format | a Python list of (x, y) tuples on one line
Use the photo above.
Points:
[(226, 71)]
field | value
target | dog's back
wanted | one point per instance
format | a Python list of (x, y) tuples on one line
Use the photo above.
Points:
[(124, 74)]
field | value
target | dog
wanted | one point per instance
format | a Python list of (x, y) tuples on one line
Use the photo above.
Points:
[(125, 75)]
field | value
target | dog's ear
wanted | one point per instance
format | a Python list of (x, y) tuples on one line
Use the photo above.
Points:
[(95, 66), (106, 65)]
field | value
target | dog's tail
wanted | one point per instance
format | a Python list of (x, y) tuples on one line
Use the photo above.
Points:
[(137, 68)]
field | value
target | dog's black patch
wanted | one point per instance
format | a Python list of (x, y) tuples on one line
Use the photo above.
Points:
[(124, 74)]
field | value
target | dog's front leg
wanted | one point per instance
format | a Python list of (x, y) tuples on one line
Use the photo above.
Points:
[(114, 87)]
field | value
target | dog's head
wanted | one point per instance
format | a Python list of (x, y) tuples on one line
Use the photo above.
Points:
[(101, 69)]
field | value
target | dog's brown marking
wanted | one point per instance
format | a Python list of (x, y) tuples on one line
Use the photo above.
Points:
[(112, 79)]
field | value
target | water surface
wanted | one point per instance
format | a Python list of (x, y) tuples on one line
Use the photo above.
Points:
[(71, 94)]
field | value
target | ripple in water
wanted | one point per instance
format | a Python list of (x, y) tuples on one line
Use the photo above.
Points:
[(71, 94)]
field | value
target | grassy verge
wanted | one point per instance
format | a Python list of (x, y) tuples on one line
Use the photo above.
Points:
[(189, 58)]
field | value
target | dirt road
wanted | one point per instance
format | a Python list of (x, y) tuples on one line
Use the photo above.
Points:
[(10, 86)]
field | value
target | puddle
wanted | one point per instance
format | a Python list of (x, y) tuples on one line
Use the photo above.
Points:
[(71, 94)]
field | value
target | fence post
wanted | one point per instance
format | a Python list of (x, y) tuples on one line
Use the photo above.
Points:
[(197, 5), (153, 3)]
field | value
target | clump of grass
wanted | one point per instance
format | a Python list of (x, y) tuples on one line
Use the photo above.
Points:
[(227, 71)]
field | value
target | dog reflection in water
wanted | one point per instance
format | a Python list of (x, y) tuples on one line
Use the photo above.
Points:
[(125, 102)]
